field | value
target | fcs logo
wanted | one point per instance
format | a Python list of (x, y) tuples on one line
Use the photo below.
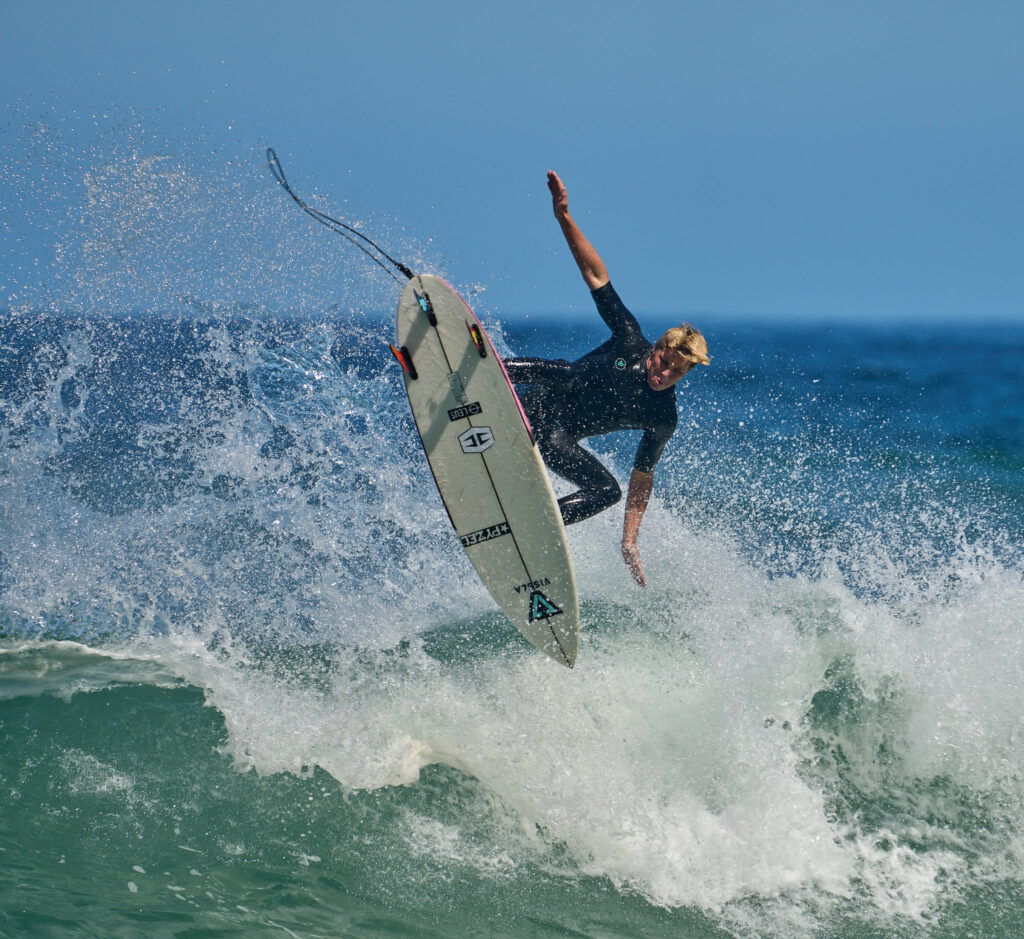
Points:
[(476, 439), (458, 389)]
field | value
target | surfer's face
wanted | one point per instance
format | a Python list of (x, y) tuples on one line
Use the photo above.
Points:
[(662, 375)]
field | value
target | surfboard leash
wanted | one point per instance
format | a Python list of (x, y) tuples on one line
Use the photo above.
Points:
[(336, 225)]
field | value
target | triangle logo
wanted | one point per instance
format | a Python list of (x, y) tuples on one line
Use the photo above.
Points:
[(541, 607)]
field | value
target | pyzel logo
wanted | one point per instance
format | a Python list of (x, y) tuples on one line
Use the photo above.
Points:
[(457, 414), (620, 364), (485, 534), (476, 439)]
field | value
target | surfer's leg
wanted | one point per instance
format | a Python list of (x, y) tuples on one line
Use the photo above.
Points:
[(598, 488), (530, 371)]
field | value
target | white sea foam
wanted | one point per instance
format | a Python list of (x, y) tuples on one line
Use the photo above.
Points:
[(677, 758)]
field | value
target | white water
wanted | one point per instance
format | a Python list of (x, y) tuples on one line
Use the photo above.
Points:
[(670, 759)]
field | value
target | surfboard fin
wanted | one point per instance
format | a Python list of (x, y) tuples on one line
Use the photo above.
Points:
[(426, 307), (405, 360), (478, 338)]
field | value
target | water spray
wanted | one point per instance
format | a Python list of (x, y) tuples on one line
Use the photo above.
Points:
[(339, 227)]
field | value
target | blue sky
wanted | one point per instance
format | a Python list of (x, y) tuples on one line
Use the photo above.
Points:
[(774, 160)]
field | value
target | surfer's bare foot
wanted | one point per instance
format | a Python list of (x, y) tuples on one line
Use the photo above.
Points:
[(559, 194), (631, 556)]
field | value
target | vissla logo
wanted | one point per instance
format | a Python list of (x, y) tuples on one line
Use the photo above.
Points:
[(533, 585), (541, 607)]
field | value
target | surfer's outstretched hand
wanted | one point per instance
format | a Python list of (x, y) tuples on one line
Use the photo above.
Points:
[(559, 194), (631, 556)]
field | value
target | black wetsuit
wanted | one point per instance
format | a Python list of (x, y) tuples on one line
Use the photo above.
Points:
[(604, 391)]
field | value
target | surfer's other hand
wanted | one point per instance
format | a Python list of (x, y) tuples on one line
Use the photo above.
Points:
[(631, 556), (559, 194)]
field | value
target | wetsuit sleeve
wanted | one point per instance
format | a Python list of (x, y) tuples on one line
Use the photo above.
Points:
[(651, 444), (613, 311), (556, 373)]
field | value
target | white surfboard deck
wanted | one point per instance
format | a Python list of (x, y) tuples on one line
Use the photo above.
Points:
[(487, 467)]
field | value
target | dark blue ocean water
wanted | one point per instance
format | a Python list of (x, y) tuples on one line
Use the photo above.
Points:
[(250, 685)]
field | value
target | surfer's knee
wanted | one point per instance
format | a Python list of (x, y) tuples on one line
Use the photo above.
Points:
[(609, 493), (589, 501)]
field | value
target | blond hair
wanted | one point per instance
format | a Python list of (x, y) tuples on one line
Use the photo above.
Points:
[(687, 343)]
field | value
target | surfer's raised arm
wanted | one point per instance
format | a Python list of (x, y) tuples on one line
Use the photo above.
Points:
[(587, 259)]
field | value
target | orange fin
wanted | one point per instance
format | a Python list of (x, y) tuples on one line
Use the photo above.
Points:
[(405, 360), (476, 334)]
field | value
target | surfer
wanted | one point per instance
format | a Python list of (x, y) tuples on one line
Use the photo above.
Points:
[(625, 384)]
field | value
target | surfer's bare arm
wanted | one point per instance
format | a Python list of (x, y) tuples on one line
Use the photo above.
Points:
[(587, 259), (637, 497)]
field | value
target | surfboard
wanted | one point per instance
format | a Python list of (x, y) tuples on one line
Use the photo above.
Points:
[(485, 462)]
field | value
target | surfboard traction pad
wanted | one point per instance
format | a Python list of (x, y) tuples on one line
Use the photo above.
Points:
[(488, 470)]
